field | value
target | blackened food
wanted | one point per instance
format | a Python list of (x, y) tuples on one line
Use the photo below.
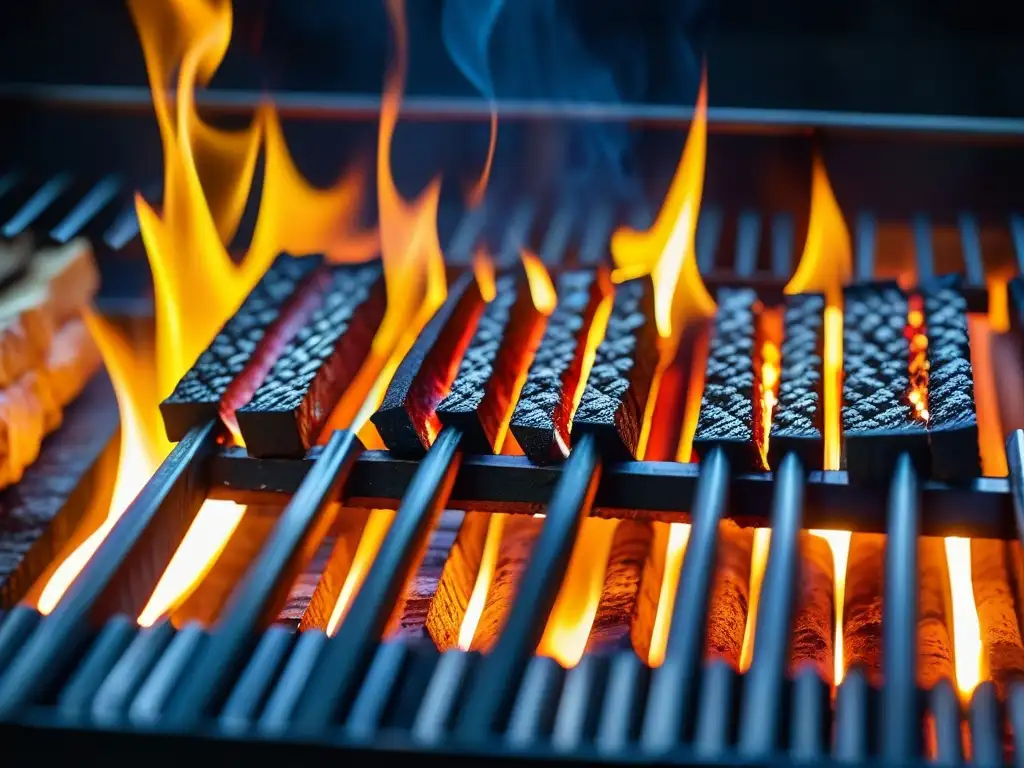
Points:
[(291, 406), (242, 343), (541, 420), (953, 423), (480, 399), (407, 419), (879, 423), (726, 417), (798, 419), (615, 399)]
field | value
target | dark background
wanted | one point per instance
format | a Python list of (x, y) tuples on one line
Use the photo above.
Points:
[(876, 55)]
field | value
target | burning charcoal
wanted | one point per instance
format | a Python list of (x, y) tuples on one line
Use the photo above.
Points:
[(935, 615), (726, 410), (814, 620), (458, 578), (617, 606), (1001, 642), (481, 395), (862, 612), (614, 402), (878, 421), (798, 420), (407, 420), (542, 416), (410, 617), (730, 594), (291, 406), (517, 540), (953, 424), (242, 353)]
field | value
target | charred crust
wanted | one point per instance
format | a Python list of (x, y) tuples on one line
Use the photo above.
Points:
[(407, 413), (878, 420), (953, 424), (545, 403), (196, 398), (481, 394), (726, 408), (798, 420), (291, 406), (615, 399)]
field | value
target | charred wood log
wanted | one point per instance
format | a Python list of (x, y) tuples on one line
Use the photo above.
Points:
[(862, 612), (953, 423), (459, 577), (814, 619), (878, 421), (542, 417), (798, 420), (291, 406), (730, 594), (618, 604), (518, 537), (614, 403), (407, 420), (301, 593), (727, 409), (935, 615), (242, 353), (480, 400), (352, 525), (998, 610), (410, 616)]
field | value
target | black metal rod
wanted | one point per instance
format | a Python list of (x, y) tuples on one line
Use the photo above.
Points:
[(265, 584), (986, 726), (122, 572), (945, 709), (901, 734), (851, 728), (347, 106), (645, 490), (672, 696), (493, 683), (762, 711), (341, 664)]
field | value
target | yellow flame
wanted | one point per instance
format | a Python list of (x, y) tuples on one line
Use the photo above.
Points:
[(666, 250), (568, 628), (376, 528), (484, 577), (208, 174), (758, 562), (825, 267), (542, 290)]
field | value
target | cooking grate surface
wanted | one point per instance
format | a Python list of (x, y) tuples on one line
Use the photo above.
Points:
[(89, 673)]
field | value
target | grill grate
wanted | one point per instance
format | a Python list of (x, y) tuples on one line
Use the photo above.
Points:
[(241, 689)]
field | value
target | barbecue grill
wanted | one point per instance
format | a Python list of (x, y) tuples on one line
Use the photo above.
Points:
[(933, 218)]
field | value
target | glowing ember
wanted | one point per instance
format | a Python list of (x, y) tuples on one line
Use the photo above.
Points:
[(918, 366)]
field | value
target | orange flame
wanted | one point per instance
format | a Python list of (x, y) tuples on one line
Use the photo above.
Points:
[(918, 366), (666, 250), (208, 174), (825, 266), (414, 270), (666, 253)]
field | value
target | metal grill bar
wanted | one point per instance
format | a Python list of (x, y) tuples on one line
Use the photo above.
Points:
[(647, 490)]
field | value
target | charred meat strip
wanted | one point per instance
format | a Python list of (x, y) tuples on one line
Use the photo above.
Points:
[(798, 420), (726, 417), (542, 417), (291, 406), (407, 419), (615, 399), (480, 400), (244, 349), (878, 421), (953, 423)]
